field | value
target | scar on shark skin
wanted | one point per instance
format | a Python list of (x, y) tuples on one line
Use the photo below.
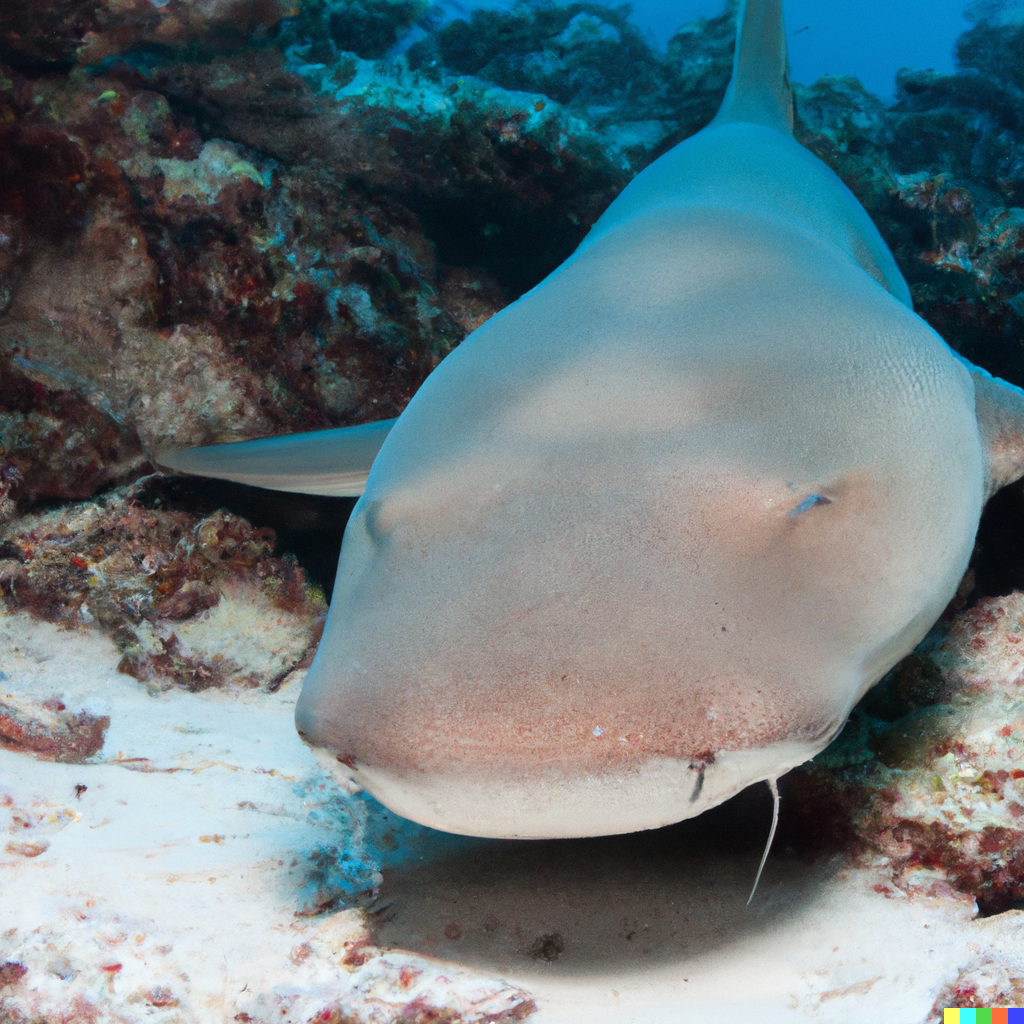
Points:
[(540, 541)]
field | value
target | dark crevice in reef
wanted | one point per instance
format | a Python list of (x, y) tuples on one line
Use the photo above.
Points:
[(487, 237), (999, 550), (33, 67)]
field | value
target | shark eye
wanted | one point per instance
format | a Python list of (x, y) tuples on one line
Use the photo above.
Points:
[(809, 502)]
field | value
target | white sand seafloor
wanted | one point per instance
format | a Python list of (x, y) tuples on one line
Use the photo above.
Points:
[(197, 876)]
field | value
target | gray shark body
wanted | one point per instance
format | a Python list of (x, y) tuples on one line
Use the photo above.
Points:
[(650, 532)]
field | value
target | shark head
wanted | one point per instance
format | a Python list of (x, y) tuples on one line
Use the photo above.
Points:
[(595, 586)]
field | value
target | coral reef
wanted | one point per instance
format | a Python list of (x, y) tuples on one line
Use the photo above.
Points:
[(927, 779), (189, 292), (942, 174), (366, 28), (281, 229), (580, 52), (223, 241), (49, 730), (193, 602), (37, 35)]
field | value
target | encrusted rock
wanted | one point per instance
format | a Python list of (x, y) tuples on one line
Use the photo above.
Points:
[(39, 32), (197, 602), (182, 292), (928, 776), (49, 730), (982, 984)]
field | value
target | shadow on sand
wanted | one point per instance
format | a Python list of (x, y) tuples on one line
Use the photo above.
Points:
[(593, 906)]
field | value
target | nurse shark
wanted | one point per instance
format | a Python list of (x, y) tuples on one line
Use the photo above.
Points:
[(650, 532)]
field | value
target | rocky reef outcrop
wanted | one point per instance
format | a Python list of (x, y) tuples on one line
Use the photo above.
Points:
[(197, 602), (927, 779)]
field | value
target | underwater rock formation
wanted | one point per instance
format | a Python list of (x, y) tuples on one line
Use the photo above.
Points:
[(927, 779), (233, 241), (37, 34), (192, 602), (169, 291), (942, 174), (982, 984), (49, 730)]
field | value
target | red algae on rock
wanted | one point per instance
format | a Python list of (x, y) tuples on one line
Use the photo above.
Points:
[(982, 984), (49, 730), (196, 602), (927, 780)]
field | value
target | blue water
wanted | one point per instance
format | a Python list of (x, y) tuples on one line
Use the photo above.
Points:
[(870, 39)]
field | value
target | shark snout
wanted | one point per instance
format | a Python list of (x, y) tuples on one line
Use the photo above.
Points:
[(486, 749)]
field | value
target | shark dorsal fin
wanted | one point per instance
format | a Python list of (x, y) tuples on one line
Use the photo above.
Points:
[(759, 92)]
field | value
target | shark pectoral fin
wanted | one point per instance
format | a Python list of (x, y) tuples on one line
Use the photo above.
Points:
[(1000, 410), (329, 462), (759, 92)]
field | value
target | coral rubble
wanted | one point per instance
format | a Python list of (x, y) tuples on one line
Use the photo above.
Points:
[(928, 777), (49, 730), (981, 984), (193, 602)]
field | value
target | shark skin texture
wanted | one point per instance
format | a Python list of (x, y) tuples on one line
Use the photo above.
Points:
[(649, 533)]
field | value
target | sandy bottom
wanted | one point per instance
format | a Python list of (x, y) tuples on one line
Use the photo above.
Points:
[(210, 871)]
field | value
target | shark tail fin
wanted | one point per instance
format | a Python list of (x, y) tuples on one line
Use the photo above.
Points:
[(759, 92), (328, 462)]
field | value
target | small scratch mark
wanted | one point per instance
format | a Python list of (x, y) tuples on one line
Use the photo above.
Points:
[(862, 988)]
